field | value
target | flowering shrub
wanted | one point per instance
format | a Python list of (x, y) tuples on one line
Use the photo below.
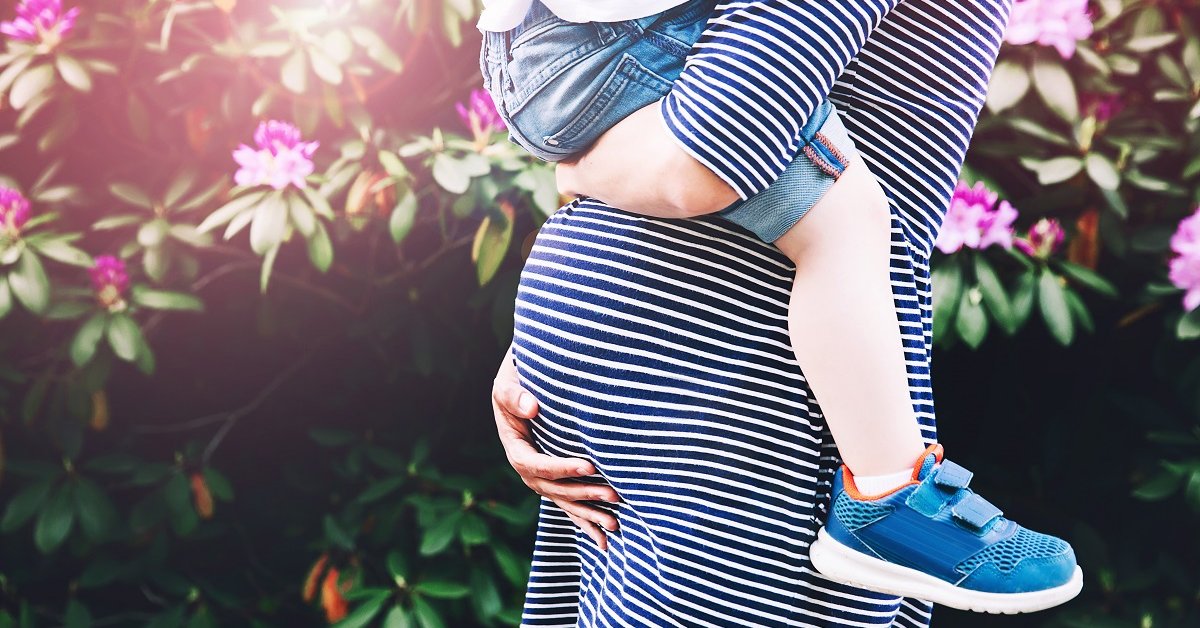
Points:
[(257, 263)]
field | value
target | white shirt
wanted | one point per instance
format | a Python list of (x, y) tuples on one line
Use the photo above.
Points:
[(502, 15)]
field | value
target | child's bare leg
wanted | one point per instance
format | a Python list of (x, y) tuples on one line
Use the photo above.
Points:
[(843, 324)]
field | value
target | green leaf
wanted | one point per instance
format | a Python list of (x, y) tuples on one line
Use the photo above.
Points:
[(396, 618), (335, 534), (1055, 170), (514, 569), (29, 283), (427, 616), (1053, 83), (60, 250), (1150, 42), (971, 322), (145, 360), (325, 66), (1189, 325), (396, 564), (30, 84), (156, 262), (1102, 171), (1010, 82), (491, 245), (438, 537), (95, 510), (115, 222), (27, 502), (302, 216), (485, 595), (165, 299), (947, 290), (178, 187), (994, 294), (55, 520), (73, 72), (450, 173), (227, 211), (1160, 486), (269, 225), (264, 276), (473, 530), (365, 612), (1079, 311), (131, 194), (376, 48), (320, 248), (1088, 278), (1053, 303), (83, 345), (443, 589), (294, 74), (190, 235), (1192, 490), (153, 233), (403, 216), (14, 70), (124, 336), (380, 489), (5, 297), (318, 202)]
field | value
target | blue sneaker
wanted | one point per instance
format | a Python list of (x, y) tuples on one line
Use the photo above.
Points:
[(935, 539)]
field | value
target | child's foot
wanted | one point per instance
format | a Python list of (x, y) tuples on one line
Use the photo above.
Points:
[(935, 539)]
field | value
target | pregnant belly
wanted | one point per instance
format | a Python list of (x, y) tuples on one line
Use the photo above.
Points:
[(644, 339)]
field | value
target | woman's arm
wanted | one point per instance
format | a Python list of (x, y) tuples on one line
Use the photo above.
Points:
[(637, 166), (731, 123)]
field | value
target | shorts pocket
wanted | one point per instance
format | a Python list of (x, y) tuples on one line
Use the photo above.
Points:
[(541, 53), (629, 88)]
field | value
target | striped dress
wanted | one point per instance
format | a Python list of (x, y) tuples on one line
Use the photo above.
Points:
[(659, 350)]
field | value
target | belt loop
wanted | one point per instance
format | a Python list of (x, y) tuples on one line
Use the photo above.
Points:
[(607, 31)]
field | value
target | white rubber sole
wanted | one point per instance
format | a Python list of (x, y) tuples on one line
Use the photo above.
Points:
[(848, 566)]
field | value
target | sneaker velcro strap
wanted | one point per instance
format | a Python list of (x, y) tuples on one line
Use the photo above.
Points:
[(975, 511), (952, 476)]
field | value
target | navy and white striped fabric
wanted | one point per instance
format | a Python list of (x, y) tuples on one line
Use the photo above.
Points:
[(659, 348)]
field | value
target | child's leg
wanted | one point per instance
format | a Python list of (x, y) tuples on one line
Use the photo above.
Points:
[(844, 330)]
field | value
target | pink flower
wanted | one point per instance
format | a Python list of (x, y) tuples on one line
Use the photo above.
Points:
[(1043, 239), (997, 228), (40, 21), (110, 280), (1057, 23), (1184, 270), (1102, 106), (479, 114), (972, 222), (14, 211), (280, 160)]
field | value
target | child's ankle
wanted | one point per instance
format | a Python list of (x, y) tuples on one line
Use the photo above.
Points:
[(872, 485)]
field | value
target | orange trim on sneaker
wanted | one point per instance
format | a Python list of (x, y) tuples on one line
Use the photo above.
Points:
[(852, 488)]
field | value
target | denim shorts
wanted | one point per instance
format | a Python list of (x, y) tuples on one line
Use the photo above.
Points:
[(559, 85)]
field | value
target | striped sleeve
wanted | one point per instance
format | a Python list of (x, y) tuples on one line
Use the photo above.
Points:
[(756, 75)]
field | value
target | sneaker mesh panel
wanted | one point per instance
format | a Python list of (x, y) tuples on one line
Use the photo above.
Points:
[(856, 514), (1007, 553)]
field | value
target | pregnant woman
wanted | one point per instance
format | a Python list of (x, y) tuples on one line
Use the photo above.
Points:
[(659, 348)]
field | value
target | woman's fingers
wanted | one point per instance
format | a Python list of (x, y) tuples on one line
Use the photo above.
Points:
[(549, 476), (576, 491), (592, 530)]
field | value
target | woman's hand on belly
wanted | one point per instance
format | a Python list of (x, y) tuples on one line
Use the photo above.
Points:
[(548, 476)]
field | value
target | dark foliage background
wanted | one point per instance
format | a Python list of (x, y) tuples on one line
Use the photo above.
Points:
[(289, 426)]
